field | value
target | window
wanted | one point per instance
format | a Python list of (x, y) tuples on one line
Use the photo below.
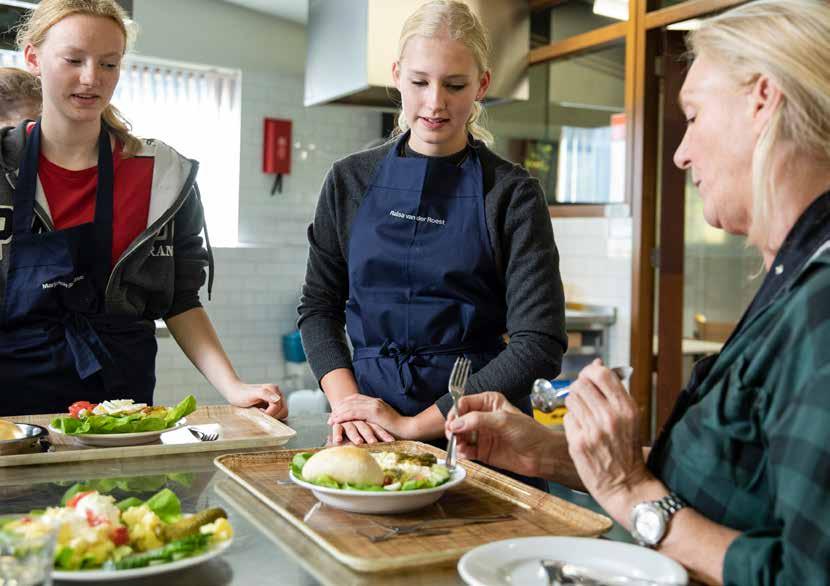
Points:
[(194, 109)]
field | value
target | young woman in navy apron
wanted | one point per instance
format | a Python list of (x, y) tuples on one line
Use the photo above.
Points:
[(70, 328), (423, 282)]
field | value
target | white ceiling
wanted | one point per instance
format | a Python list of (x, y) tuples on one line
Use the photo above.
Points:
[(293, 10)]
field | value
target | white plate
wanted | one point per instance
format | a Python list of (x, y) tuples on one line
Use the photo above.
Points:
[(516, 561), (381, 503), (117, 439), (103, 575)]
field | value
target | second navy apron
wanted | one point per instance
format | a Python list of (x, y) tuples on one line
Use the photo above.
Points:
[(56, 344), (423, 280)]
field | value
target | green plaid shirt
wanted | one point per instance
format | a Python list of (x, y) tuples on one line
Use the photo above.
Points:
[(750, 447)]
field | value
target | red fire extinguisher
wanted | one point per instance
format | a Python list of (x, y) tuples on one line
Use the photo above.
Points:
[(276, 150)]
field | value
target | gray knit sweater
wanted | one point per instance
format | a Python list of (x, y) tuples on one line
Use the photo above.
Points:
[(525, 253)]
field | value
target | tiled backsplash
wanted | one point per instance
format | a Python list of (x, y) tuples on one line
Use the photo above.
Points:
[(595, 262), (258, 284)]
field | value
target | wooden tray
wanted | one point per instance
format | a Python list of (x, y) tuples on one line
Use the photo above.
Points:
[(343, 535), (241, 429)]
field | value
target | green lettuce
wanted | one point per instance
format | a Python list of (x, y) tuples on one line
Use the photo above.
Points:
[(298, 463), (185, 407), (131, 423), (129, 502), (134, 484), (166, 505)]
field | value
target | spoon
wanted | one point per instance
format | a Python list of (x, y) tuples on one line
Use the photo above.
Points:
[(545, 398)]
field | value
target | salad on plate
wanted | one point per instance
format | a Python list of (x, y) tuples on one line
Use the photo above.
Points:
[(94, 532), (120, 416), (352, 468)]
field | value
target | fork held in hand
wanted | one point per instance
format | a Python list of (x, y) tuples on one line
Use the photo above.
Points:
[(458, 379)]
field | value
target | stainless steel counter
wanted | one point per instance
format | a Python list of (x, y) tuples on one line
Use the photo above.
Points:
[(266, 548)]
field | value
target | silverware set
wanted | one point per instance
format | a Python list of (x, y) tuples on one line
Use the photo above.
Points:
[(431, 527)]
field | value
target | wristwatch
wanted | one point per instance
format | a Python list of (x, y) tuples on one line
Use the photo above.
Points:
[(650, 519)]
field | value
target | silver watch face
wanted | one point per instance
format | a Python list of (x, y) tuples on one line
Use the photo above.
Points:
[(650, 524)]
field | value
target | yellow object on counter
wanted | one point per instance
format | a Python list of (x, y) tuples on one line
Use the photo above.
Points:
[(9, 431), (552, 419)]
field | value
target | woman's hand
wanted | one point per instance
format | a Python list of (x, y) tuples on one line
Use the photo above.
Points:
[(266, 397), (358, 432), (602, 428), (374, 412), (489, 429)]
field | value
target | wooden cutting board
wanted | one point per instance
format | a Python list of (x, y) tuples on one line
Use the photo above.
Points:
[(345, 535), (241, 429)]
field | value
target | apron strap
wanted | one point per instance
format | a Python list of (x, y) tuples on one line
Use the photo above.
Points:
[(406, 358), (25, 193), (103, 212)]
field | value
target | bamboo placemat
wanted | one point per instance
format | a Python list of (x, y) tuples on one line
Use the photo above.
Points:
[(241, 429), (344, 535)]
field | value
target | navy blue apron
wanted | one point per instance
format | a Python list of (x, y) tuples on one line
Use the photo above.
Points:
[(422, 280), (56, 344)]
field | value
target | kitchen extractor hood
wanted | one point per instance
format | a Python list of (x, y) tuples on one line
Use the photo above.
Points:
[(352, 44)]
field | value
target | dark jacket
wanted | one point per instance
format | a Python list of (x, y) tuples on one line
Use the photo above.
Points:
[(162, 270), (520, 232)]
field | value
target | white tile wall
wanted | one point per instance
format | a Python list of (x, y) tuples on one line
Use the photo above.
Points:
[(258, 284), (595, 262)]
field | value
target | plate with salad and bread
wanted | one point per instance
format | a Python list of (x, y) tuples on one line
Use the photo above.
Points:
[(99, 539), (120, 422), (374, 481)]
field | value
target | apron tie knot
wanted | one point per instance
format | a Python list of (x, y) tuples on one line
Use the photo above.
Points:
[(403, 359), (87, 348)]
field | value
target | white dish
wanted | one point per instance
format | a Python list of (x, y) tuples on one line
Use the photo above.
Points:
[(106, 575), (105, 440), (516, 561), (381, 502)]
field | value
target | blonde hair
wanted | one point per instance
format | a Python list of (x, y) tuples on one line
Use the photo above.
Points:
[(20, 96), (48, 13), (455, 20), (788, 41)]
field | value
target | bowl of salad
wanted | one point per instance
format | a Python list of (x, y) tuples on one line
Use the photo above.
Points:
[(374, 481), (120, 422), (98, 538)]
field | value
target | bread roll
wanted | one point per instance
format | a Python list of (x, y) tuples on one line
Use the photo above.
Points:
[(344, 464), (9, 431)]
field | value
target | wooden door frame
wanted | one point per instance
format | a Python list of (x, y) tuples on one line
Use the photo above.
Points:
[(672, 244), (642, 34)]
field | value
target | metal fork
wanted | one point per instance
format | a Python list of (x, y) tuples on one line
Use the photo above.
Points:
[(458, 379), (202, 436), (565, 574)]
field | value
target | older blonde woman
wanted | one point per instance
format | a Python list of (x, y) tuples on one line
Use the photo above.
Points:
[(737, 487)]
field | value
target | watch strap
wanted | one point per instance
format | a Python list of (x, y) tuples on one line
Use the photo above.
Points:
[(671, 503)]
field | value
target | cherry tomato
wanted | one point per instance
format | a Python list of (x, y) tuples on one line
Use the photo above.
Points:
[(79, 406)]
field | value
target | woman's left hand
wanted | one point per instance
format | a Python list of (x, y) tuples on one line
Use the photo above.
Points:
[(602, 428), (372, 410), (266, 397)]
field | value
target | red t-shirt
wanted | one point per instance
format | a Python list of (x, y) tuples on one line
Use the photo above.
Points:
[(71, 196)]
